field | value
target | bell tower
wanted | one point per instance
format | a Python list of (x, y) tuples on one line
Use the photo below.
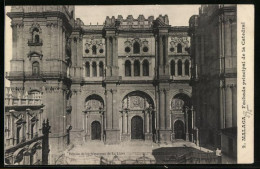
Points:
[(41, 56)]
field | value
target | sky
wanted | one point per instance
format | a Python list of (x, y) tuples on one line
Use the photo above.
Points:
[(96, 14), (178, 14)]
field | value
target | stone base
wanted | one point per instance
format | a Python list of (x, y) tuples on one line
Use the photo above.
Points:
[(112, 136), (173, 136), (125, 137), (165, 136), (57, 145), (148, 136), (76, 136), (87, 137), (187, 137)]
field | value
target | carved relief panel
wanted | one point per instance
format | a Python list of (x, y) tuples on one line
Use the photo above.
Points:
[(135, 46), (177, 104), (94, 103), (135, 103), (179, 45), (93, 47)]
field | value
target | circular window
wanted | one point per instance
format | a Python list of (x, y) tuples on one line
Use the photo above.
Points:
[(87, 51), (127, 49), (145, 49), (172, 49), (101, 50)]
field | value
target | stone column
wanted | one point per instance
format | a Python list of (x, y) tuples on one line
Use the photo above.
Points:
[(40, 126), (197, 137), (227, 37), (98, 73), (189, 67), (192, 123), (156, 57), (114, 51), (102, 126), (166, 50), (115, 43), (23, 131), (15, 36), (104, 119), (186, 124), (228, 109), (107, 52), (141, 69), (87, 122), (166, 66), (161, 50), (147, 122), (11, 128), (128, 123), (221, 105), (109, 109), (90, 69), (115, 115), (162, 110), (125, 122), (132, 69), (84, 122), (176, 68), (150, 121), (234, 106), (167, 111), (122, 120), (28, 123), (183, 69), (173, 133)]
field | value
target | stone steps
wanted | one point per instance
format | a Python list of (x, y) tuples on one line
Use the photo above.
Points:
[(132, 152)]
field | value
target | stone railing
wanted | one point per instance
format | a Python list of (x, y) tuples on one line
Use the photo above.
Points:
[(22, 101)]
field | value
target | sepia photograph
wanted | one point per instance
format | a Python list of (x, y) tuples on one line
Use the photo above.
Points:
[(128, 84)]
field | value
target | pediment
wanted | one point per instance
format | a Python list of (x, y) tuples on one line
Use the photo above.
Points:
[(35, 54)]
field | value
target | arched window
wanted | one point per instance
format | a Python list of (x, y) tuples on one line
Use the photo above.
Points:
[(94, 69), (187, 68), (37, 38), (136, 68), (136, 48), (173, 68), (94, 50), (101, 69), (145, 68), (179, 67), (87, 69), (35, 35), (127, 68), (35, 68), (179, 48)]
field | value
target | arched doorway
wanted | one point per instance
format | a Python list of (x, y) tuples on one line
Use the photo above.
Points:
[(137, 128), (179, 130), (95, 130)]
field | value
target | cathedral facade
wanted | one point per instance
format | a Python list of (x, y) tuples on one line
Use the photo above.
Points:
[(127, 79)]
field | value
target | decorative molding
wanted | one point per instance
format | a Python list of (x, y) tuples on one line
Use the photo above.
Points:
[(35, 25), (35, 54)]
